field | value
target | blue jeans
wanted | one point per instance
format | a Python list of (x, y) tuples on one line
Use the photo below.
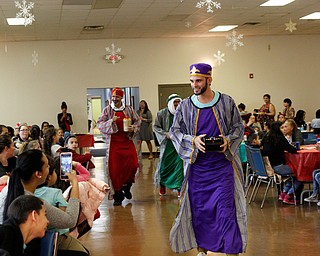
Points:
[(316, 181), (285, 170)]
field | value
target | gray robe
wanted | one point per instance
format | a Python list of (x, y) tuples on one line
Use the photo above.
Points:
[(182, 134)]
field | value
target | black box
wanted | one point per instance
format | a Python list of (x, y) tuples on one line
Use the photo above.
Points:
[(212, 143)]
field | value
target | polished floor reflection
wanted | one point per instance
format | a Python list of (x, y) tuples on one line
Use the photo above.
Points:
[(141, 225)]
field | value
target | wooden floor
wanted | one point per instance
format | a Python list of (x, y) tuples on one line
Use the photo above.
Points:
[(141, 225)]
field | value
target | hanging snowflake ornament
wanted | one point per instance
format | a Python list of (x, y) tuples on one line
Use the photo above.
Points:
[(210, 5), (234, 40), (219, 57), (113, 55), (35, 56), (25, 11), (291, 26)]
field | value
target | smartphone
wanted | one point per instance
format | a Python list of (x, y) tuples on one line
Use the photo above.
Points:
[(65, 164)]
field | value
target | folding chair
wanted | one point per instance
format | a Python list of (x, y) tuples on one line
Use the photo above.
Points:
[(257, 164), (48, 244), (250, 175)]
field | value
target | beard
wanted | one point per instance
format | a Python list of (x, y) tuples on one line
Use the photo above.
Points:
[(203, 89), (116, 102)]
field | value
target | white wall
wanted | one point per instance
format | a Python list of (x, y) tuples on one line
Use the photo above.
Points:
[(67, 68)]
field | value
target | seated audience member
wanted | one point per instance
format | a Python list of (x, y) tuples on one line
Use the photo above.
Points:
[(26, 221), (266, 128), (91, 192), (291, 132), (10, 131), (281, 118), (71, 143), (23, 135), (32, 170), (242, 109), (44, 126), (299, 119), (254, 124), (50, 140), (7, 159), (315, 123), (244, 114), (253, 140), (28, 145), (35, 134), (288, 110), (53, 196), (316, 188), (60, 134), (274, 145), (3, 129)]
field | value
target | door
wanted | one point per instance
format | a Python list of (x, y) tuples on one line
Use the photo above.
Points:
[(184, 90)]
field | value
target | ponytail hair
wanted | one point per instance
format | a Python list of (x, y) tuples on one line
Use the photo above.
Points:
[(48, 140), (27, 164)]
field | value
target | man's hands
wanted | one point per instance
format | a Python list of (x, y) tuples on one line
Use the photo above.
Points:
[(201, 146)]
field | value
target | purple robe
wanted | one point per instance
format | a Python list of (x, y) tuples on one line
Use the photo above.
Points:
[(212, 213), (211, 194)]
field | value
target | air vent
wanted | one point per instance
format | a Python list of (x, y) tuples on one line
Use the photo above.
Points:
[(93, 28), (251, 24)]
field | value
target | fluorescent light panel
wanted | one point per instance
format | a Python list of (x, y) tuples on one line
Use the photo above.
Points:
[(312, 16), (15, 21), (223, 28), (277, 2)]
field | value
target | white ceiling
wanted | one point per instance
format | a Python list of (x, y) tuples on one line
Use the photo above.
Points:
[(65, 19)]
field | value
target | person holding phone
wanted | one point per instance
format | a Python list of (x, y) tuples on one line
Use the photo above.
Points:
[(122, 161), (212, 215), (32, 170)]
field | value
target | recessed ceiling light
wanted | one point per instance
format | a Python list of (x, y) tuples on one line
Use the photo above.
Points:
[(223, 28), (16, 21), (312, 16), (277, 2)]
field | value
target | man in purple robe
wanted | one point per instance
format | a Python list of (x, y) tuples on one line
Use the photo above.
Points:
[(212, 216)]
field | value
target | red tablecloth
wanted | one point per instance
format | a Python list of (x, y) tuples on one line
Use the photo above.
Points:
[(85, 140), (304, 163)]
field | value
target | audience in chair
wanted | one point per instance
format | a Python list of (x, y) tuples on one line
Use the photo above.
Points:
[(316, 188), (26, 221), (32, 170), (274, 144), (291, 132)]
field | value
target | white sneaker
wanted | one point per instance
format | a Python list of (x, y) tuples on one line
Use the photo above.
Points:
[(312, 199), (201, 254)]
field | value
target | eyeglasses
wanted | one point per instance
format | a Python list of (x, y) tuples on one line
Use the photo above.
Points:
[(24, 130)]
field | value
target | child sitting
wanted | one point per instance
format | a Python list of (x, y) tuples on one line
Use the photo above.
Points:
[(253, 140), (71, 143)]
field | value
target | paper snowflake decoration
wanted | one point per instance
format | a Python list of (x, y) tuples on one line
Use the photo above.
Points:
[(113, 55), (25, 12), (218, 57), (210, 5), (188, 24), (291, 26), (35, 56), (234, 40)]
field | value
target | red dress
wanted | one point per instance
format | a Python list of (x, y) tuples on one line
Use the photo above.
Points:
[(123, 160)]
